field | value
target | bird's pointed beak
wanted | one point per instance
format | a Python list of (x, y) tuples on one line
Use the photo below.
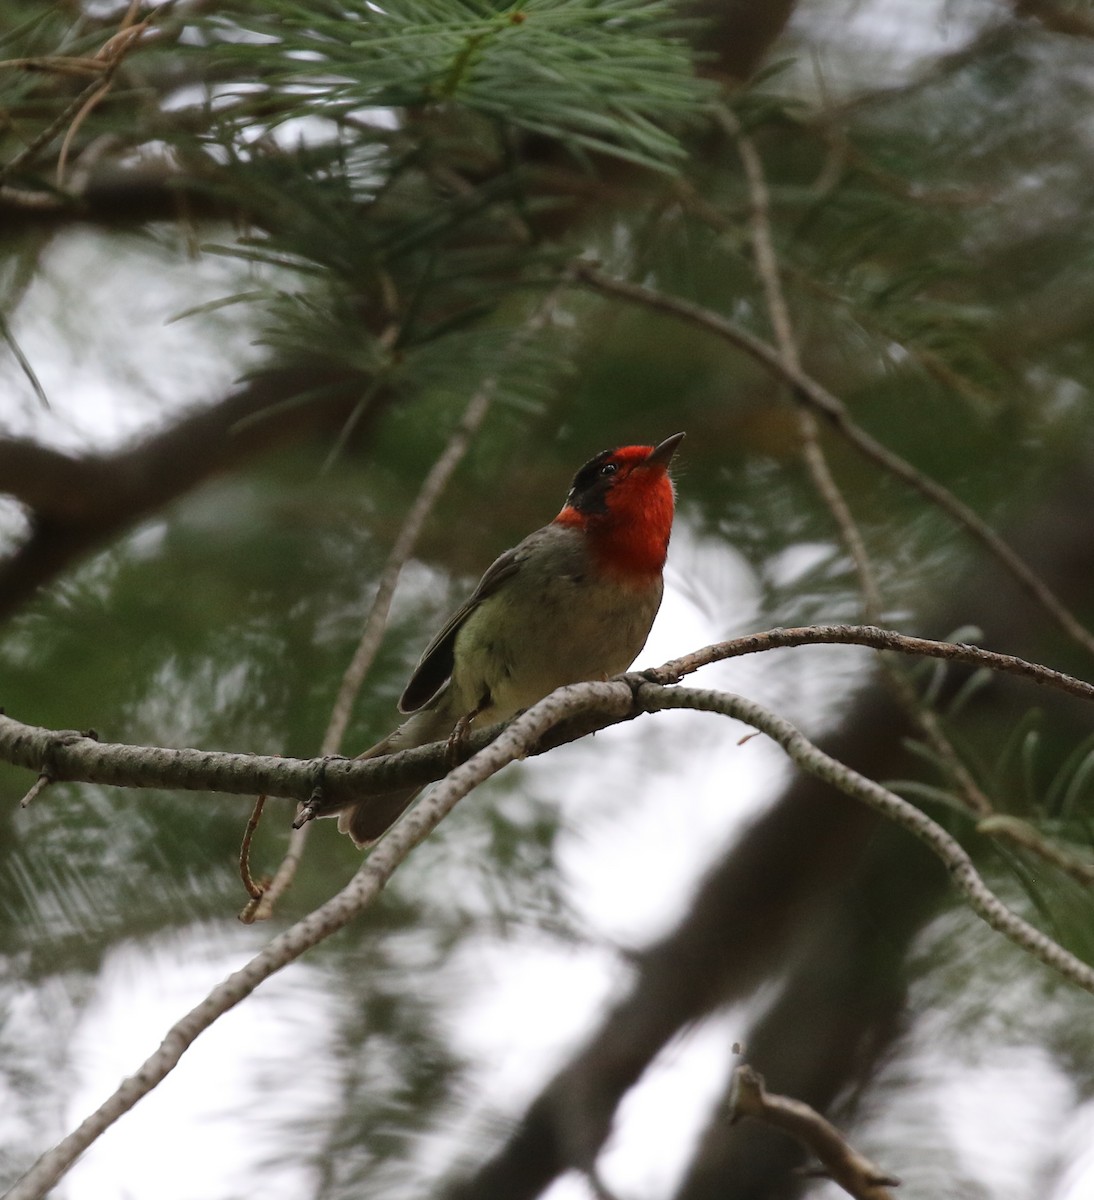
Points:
[(661, 455)]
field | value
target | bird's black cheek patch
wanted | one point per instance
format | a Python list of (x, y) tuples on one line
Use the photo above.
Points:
[(591, 500), (588, 494)]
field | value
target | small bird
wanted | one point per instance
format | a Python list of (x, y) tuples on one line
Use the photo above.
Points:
[(573, 601)]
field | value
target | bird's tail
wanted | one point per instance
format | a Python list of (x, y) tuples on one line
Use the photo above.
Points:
[(373, 816)]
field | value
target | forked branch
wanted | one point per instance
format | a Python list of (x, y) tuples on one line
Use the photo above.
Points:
[(589, 705), (813, 395)]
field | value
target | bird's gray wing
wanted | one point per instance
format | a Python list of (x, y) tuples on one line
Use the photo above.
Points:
[(435, 666)]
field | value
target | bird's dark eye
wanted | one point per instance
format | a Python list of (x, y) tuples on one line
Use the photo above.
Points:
[(609, 468)]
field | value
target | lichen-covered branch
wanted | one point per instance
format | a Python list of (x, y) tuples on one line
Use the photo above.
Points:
[(337, 912), (949, 851), (67, 755), (604, 703)]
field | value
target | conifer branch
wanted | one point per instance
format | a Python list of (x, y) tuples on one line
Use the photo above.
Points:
[(808, 391), (73, 757), (820, 471), (618, 699)]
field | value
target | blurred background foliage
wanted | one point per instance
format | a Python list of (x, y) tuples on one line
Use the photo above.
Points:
[(255, 259)]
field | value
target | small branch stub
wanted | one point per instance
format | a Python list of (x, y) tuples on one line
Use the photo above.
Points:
[(47, 772), (37, 787), (314, 803), (856, 1174)]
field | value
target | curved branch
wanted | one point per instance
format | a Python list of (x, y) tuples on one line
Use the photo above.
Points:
[(809, 392), (337, 912), (877, 639), (947, 849), (619, 699), (855, 1173), (75, 757), (77, 504)]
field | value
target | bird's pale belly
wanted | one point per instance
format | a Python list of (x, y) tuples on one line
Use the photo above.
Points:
[(579, 632)]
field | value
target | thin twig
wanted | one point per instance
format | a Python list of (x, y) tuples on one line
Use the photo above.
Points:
[(25, 365), (806, 390), (111, 53), (254, 890), (326, 920), (877, 639), (85, 110), (982, 900), (817, 465), (36, 789), (372, 634), (844, 1165), (1022, 833), (767, 267)]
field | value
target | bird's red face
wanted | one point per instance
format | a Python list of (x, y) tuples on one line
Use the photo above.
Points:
[(624, 501)]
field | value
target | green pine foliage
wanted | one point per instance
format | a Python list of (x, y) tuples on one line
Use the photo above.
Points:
[(605, 77), (400, 191)]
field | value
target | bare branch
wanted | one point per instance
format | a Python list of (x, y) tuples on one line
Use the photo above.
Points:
[(615, 698), (253, 888), (67, 756), (77, 504), (982, 900), (337, 912), (820, 471), (879, 639), (806, 390), (857, 1175), (36, 789), (816, 462), (72, 757)]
